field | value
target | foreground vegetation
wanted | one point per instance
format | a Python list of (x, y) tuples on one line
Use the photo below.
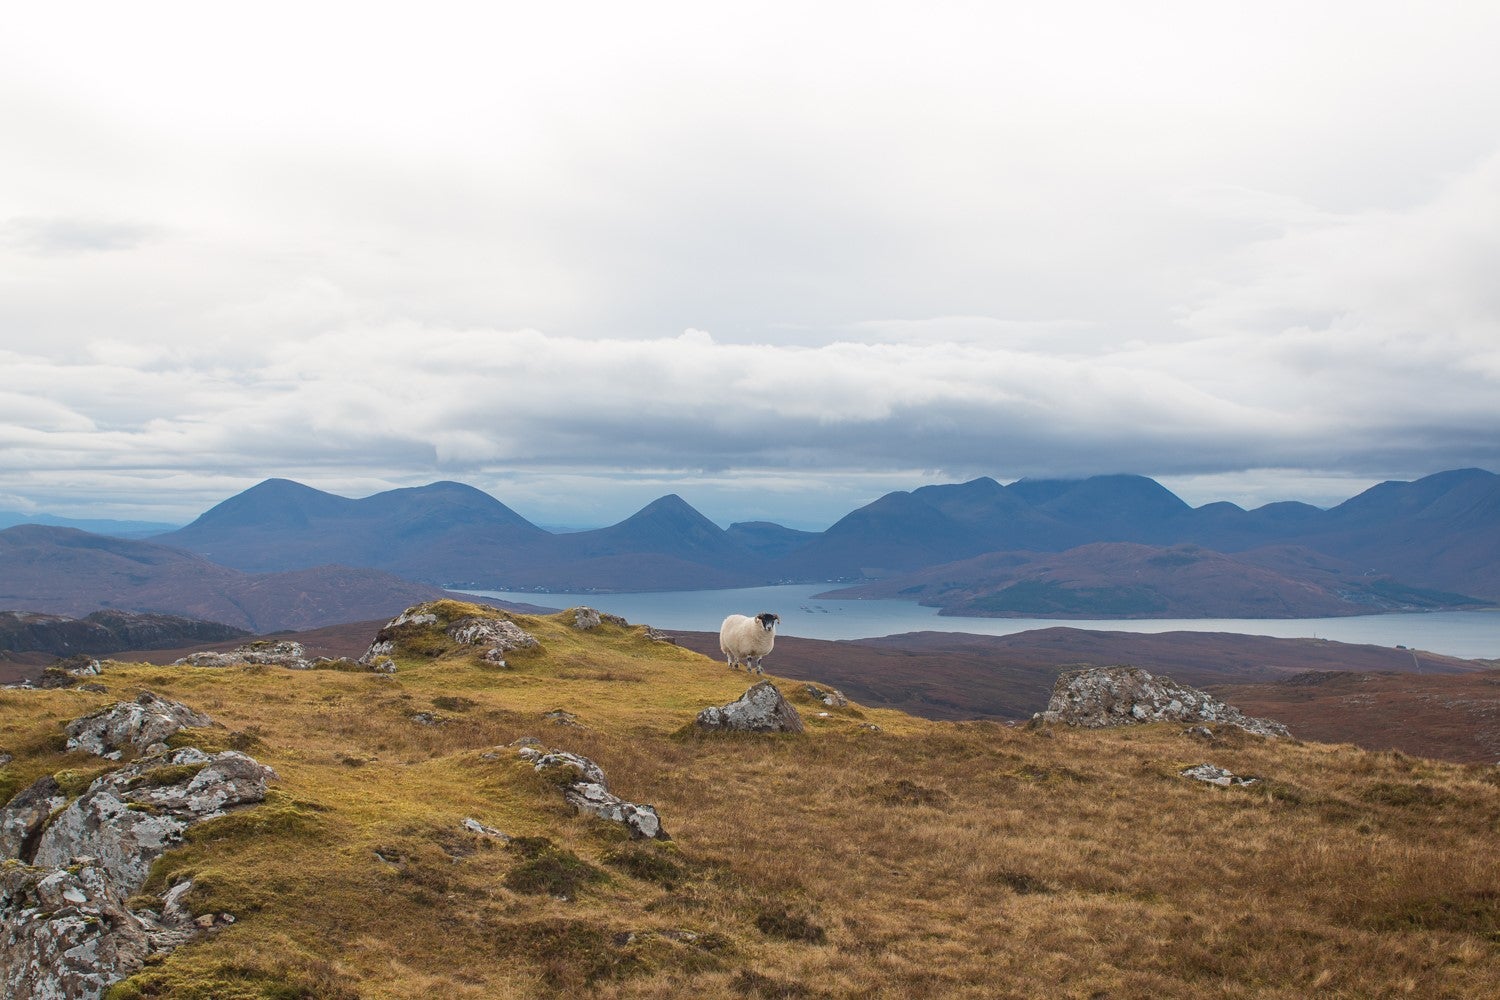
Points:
[(875, 855)]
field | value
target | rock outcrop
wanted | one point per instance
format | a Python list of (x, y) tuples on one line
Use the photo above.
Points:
[(65, 930), (1216, 776), (280, 653), (832, 698), (23, 817), (588, 792), (761, 709), (127, 818), (1120, 696), (585, 618), (495, 633), (140, 725)]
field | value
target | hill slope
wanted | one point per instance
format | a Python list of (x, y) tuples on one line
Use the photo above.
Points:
[(69, 572), (1126, 580), (922, 859)]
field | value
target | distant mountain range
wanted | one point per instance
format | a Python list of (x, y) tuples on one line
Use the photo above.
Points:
[(1116, 545), (1440, 534), (98, 526)]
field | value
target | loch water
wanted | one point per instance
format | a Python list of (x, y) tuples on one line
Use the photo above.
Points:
[(1474, 634)]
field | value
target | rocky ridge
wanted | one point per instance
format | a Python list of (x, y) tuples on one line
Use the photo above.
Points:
[(68, 867), (1099, 697)]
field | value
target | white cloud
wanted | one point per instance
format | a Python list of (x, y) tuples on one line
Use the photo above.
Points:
[(923, 241)]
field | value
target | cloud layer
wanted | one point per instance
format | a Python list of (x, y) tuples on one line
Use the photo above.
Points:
[(778, 264)]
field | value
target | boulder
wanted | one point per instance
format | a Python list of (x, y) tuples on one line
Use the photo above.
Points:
[(585, 618), (761, 709), (1120, 696), (137, 725), (588, 792), (127, 818), (64, 672), (22, 818), (281, 653), (833, 698)]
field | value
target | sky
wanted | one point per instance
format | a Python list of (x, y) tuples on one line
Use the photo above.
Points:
[(777, 258)]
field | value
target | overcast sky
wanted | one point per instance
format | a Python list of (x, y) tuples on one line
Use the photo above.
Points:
[(778, 259)]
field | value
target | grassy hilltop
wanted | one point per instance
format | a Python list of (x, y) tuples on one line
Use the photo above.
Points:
[(925, 859)]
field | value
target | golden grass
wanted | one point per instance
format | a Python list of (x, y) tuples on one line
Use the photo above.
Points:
[(924, 860)]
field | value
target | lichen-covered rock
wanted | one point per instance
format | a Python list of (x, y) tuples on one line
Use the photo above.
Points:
[(137, 725), (63, 672), (1119, 696), (496, 633), (1216, 776), (589, 793), (833, 697), (761, 709), (585, 618), (67, 934), (127, 818), (22, 818), (657, 635), (280, 653)]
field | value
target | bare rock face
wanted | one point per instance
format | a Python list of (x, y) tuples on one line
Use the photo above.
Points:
[(22, 819), (281, 653), (762, 709), (1120, 696), (589, 793), (1215, 775), (136, 725), (127, 818)]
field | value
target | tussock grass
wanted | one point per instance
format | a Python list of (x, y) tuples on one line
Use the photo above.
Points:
[(926, 860)]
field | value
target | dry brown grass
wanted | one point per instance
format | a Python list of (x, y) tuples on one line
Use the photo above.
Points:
[(926, 860)]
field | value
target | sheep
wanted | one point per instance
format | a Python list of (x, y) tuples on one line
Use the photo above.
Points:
[(746, 640)]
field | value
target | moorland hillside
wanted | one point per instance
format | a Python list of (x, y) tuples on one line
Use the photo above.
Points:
[(410, 843)]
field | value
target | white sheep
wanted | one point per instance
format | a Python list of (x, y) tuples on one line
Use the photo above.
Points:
[(746, 640)]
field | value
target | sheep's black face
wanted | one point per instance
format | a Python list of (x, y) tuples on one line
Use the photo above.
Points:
[(768, 621)]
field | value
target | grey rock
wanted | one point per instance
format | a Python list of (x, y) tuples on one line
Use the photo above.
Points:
[(281, 653), (761, 709), (131, 725), (1120, 696), (496, 633), (561, 717), (66, 933), (833, 697), (589, 793), (380, 649), (585, 618), (128, 818), (1216, 776), (5, 759), (657, 635), (24, 816), (475, 827), (383, 665)]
